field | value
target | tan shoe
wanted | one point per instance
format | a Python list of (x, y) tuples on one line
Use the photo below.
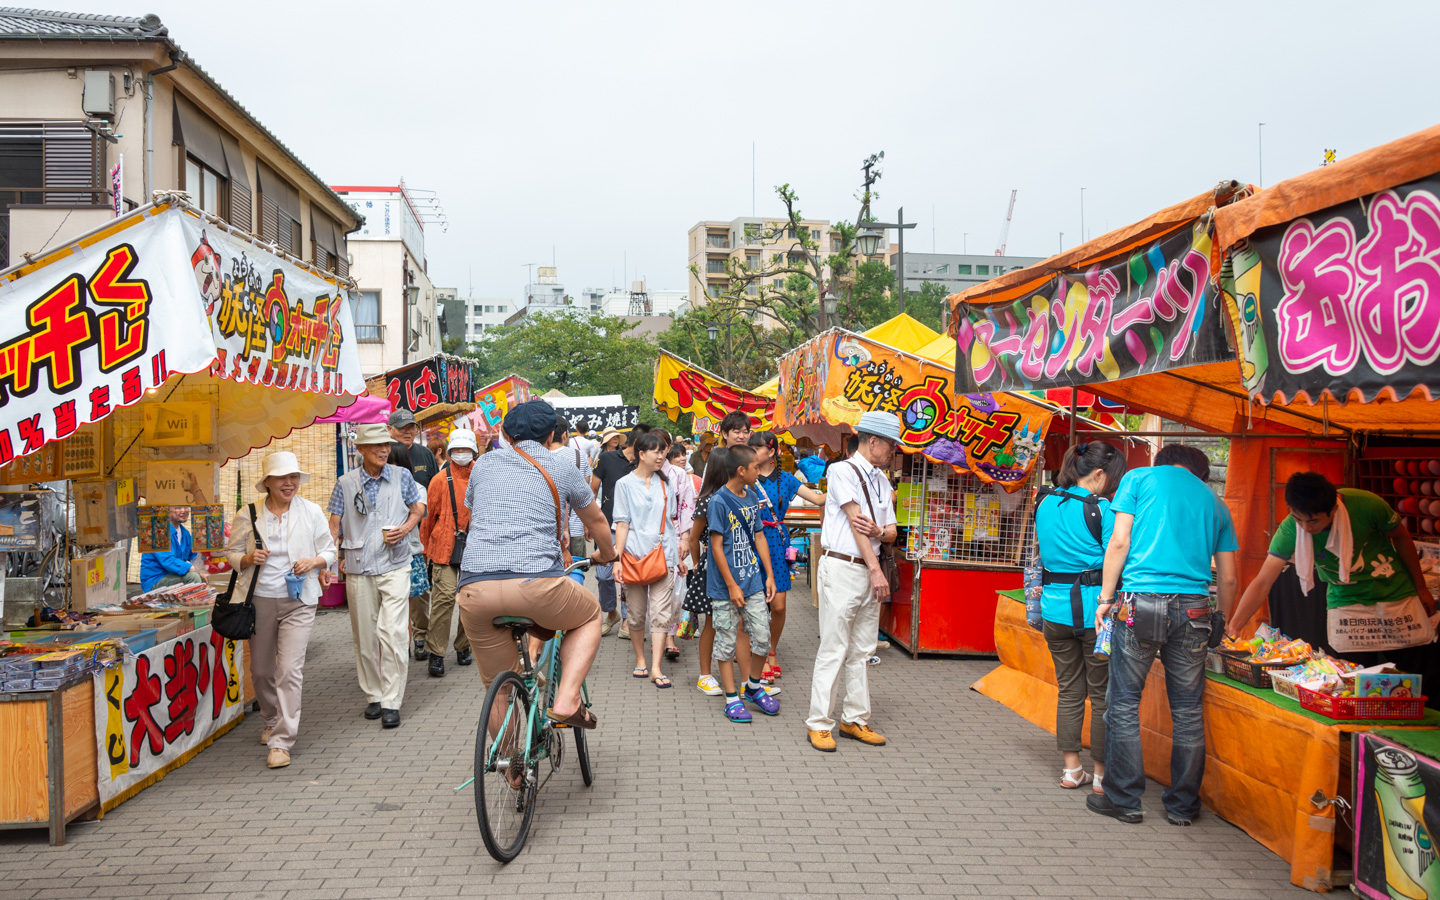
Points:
[(278, 758), (821, 740), (265, 733), (862, 733)]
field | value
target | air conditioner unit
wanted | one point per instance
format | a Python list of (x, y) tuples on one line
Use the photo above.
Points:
[(99, 96)]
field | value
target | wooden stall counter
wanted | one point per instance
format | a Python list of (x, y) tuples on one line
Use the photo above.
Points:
[(47, 757), (1271, 767)]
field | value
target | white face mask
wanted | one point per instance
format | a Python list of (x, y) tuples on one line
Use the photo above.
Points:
[(462, 457)]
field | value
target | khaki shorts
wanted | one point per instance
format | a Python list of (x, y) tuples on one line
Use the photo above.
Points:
[(559, 604)]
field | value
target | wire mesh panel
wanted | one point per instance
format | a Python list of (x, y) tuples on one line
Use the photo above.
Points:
[(956, 517)]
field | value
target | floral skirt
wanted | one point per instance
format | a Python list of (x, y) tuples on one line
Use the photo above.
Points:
[(419, 575)]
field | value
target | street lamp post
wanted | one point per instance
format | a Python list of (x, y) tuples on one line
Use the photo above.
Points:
[(712, 331)]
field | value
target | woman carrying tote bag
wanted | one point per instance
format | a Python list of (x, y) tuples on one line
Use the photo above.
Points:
[(298, 548), (649, 553)]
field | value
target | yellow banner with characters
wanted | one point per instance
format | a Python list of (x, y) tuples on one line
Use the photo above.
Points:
[(682, 387), (832, 379)]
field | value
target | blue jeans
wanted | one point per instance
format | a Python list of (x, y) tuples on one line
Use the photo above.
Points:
[(1183, 654)]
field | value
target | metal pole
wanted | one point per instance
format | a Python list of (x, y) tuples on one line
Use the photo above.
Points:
[(1073, 394), (900, 220), (1260, 151), (1082, 215)]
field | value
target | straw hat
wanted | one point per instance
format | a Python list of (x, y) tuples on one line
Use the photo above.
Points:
[(609, 433), (281, 462)]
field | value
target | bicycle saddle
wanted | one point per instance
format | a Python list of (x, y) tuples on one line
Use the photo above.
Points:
[(513, 622)]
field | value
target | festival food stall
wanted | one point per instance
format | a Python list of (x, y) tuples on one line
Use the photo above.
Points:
[(683, 387), (1325, 363), (963, 499), (595, 412), (493, 401), (140, 357)]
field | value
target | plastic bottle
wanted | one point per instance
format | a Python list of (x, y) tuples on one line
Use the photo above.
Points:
[(1103, 636)]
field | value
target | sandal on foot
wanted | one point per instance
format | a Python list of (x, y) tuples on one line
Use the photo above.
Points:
[(773, 668), (1095, 785), (640, 672), (661, 681), (1070, 779), (580, 718), (672, 653)]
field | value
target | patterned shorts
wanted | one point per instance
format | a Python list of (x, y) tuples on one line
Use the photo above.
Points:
[(419, 575), (727, 618)]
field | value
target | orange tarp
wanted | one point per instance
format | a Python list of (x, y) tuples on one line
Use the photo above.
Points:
[(1262, 763), (1411, 157)]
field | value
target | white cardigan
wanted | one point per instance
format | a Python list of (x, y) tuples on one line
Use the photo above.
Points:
[(309, 536)]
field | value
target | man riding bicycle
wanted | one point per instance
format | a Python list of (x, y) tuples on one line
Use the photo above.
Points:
[(516, 553)]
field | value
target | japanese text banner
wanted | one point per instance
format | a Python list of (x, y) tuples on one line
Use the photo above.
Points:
[(684, 388), (598, 418), (90, 329), (1344, 300), (439, 386), (1151, 310), (832, 379), (155, 709)]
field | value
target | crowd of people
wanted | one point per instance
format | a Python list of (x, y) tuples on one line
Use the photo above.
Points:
[(690, 541)]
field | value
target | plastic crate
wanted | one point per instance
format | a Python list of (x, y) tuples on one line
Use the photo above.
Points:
[(1362, 707), (1215, 662), (1285, 686), (1253, 673)]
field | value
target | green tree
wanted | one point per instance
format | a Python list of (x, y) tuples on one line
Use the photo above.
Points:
[(577, 354), (928, 305), (868, 299)]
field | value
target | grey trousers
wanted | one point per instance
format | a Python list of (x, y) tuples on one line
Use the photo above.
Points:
[(277, 664), (1078, 672)]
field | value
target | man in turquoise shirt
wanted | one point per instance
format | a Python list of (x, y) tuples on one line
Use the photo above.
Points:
[(1168, 526), (178, 565)]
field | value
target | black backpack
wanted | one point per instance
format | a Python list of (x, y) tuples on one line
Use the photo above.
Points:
[(1076, 580)]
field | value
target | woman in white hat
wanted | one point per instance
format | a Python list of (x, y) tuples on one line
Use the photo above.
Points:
[(296, 547)]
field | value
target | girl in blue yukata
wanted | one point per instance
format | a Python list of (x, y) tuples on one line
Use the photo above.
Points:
[(780, 488)]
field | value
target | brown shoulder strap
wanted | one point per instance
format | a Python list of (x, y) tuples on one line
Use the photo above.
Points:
[(554, 493), (866, 488)]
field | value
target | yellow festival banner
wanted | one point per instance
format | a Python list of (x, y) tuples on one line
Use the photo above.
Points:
[(833, 378), (682, 387)]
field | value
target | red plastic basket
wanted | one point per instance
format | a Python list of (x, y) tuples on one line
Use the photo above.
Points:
[(1362, 707)]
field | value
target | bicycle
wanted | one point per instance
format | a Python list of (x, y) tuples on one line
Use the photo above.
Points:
[(507, 766)]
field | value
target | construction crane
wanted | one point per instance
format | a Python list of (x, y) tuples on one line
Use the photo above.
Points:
[(1005, 230)]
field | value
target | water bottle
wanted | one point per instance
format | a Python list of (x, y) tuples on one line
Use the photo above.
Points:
[(1102, 637)]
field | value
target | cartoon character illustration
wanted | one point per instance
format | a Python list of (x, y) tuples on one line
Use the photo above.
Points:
[(1027, 444), (206, 263), (851, 353)]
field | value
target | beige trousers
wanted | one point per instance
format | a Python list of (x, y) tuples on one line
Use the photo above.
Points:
[(444, 583), (650, 607), (277, 663), (379, 605)]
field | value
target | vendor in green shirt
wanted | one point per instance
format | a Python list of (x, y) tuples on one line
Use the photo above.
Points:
[(1377, 610)]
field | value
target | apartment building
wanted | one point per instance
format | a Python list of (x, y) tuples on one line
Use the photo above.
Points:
[(396, 317), (712, 243), (956, 271), (86, 99), (640, 300)]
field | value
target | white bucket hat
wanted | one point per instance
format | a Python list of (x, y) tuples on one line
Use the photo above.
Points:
[(462, 439), (281, 462), (371, 434)]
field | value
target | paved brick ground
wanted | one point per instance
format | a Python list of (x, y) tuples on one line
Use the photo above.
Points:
[(963, 802)]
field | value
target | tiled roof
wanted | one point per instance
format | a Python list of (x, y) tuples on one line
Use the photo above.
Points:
[(44, 25)]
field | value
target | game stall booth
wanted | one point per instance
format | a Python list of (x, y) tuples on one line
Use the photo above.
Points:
[(141, 356), (493, 401), (964, 498), (1300, 323)]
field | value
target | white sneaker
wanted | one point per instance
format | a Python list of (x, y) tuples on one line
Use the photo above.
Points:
[(882, 645), (873, 661), (709, 686), (770, 688)]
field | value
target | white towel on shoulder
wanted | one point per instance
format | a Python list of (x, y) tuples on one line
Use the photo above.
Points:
[(1341, 543)]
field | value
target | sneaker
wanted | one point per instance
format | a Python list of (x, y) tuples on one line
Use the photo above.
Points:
[(763, 701), (821, 740), (464, 657), (735, 711), (1099, 803), (709, 686), (770, 687), (873, 661), (882, 645), (277, 758), (862, 733), (437, 666), (421, 654), (1183, 821)]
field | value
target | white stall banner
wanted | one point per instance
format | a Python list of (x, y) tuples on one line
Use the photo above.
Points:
[(158, 706)]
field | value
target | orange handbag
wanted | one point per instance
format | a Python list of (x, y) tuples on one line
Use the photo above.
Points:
[(653, 566)]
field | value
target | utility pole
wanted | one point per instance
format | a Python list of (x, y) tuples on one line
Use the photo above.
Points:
[(1260, 151), (1062, 242), (1082, 215)]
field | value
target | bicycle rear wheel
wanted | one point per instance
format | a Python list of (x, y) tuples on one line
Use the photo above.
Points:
[(506, 777), (582, 743)]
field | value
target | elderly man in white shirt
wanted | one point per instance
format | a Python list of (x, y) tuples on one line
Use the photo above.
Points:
[(859, 515)]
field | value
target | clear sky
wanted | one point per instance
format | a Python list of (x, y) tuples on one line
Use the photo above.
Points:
[(604, 131)]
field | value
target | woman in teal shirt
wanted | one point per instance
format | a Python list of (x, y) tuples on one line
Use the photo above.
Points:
[(1073, 556)]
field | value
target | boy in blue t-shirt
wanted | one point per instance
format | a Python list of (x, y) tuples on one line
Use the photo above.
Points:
[(738, 555), (1168, 526)]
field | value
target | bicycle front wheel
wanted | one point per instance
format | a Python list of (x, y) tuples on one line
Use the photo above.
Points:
[(506, 777)]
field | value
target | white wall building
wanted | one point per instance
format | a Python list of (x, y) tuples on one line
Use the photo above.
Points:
[(485, 313), (395, 315)]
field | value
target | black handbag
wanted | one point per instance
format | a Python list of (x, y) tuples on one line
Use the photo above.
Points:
[(457, 556), (236, 621)]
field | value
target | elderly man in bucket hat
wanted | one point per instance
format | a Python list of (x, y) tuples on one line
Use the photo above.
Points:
[(859, 515), (373, 510)]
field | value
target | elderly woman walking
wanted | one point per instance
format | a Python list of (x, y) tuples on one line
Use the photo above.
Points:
[(295, 547)]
